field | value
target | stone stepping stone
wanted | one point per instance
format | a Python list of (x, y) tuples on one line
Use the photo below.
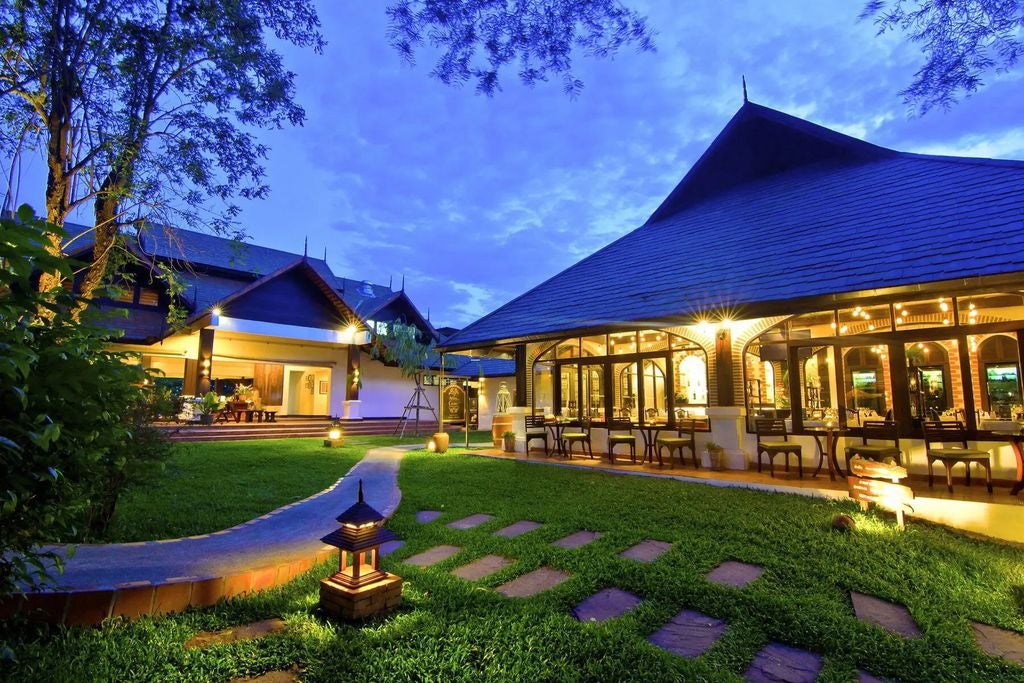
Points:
[(517, 529), (605, 604), (433, 555), (890, 616), (485, 566), (646, 551), (389, 547), (470, 522), (735, 574), (289, 676), (537, 581), (778, 662), (578, 539), (689, 634), (999, 642), (424, 516), (256, 629)]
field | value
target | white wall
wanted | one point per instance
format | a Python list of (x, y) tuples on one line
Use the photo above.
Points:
[(385, 393)]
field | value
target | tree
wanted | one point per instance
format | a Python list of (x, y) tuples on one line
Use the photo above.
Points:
[(146, 108), (539, 35), (960, 39), (72, 413)]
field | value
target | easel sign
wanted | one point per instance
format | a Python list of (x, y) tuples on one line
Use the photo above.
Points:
[(455, 403), (877, 482)]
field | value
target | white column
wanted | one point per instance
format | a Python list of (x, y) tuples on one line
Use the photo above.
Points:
[(728, 430)]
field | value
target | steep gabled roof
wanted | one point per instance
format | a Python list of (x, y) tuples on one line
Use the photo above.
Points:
[(302, 265), (774, 225)]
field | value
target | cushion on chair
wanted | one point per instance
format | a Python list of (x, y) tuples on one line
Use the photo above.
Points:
[(963, 453), (575, 435), (778, 445), (621, 438), (673, 441)]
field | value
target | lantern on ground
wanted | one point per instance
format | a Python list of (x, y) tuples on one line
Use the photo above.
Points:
[(335, 435), (359, 589)]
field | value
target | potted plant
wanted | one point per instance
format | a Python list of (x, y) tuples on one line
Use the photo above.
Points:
[(207, 406), (716, 456), (508, 440)]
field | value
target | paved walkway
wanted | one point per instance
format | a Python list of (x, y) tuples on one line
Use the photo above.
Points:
[(277, 537)]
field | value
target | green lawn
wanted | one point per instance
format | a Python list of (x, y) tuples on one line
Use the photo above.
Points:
[(450, 629), (212, 486)]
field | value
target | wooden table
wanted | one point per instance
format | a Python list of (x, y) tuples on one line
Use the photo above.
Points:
[(827, 451), (556, 427), (649, 432), (1016, 441)]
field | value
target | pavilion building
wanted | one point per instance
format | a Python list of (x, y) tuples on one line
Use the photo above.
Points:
[(795, 272)]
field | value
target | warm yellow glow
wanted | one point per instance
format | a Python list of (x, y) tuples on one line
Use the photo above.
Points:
[(432, 446), (215, 311), (334, 434)]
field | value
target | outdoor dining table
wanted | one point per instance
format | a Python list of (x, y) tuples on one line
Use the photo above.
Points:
[(827, 449), (557, 427), (649, 432), (1016, 440)]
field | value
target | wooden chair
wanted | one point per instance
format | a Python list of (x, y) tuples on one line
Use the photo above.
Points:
[(619, 439), (877, 430), (776, 428), (536, 429), (684, 438), (582, 436), (943, 434)]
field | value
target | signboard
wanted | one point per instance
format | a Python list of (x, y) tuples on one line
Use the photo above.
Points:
[(861, 467), (867, 485), (453, 403)]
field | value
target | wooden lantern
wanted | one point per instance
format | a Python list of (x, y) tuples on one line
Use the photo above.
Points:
[(359, 589)]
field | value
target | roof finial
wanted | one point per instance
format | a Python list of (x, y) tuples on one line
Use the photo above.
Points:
[(360, 490), (305, 247), (391, 283), (325, 253), (744, 89), (428, 314), (403, 282)]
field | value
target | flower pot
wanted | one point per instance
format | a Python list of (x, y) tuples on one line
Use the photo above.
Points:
[(716, 459), (438, 443), (509, 443), (206, 419)]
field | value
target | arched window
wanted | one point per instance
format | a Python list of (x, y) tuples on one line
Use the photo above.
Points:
[(646, 375)]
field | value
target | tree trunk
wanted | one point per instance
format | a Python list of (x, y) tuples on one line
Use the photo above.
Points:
[(58, 183), (106, 216)]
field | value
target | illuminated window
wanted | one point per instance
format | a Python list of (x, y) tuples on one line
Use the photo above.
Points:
[(149, 297)]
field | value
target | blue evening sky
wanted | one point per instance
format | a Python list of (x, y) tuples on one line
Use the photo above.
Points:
[(475, 200)]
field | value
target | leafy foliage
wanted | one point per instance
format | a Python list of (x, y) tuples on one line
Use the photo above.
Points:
[(400, 344), (147, 108), (73, 415), (960, 39), (478, 38)]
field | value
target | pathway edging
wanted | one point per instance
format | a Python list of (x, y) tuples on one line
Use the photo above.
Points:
[(131, 580)]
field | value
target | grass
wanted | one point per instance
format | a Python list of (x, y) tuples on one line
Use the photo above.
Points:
[(450, 629), (207, 487)]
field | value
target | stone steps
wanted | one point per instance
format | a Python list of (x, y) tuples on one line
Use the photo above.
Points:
[(288, 428)]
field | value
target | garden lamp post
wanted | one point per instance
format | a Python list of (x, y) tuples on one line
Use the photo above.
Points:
[(335, 435), (359, 589)]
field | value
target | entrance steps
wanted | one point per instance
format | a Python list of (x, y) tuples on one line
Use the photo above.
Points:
[(288, 428)]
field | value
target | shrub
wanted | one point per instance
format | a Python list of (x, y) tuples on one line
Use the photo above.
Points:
[(73, 414)]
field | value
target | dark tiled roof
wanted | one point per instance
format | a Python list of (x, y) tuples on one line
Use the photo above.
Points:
[(214, 268), (816, 223)]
